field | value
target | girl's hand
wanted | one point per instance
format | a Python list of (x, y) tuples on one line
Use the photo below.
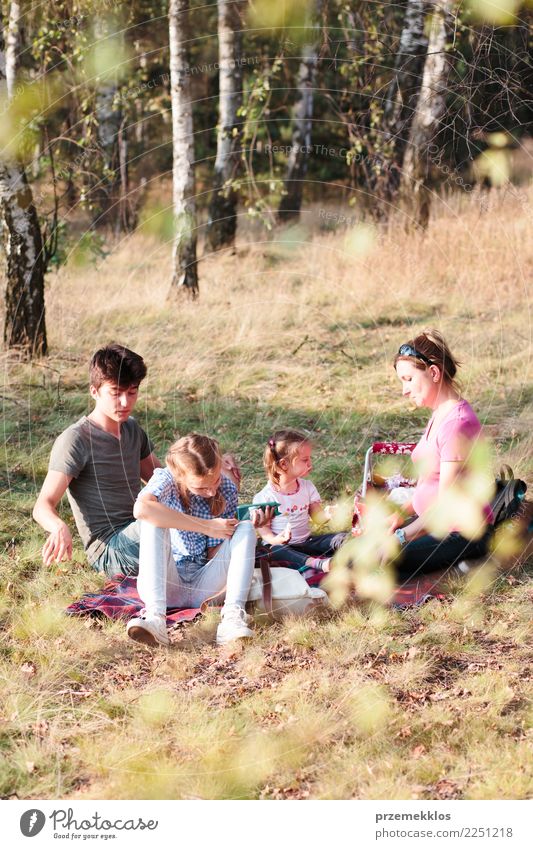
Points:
[(284, 537), (262, 518), (222, 528), (231, 469)]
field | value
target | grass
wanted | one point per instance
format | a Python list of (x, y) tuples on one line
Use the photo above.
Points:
[(372, 703)]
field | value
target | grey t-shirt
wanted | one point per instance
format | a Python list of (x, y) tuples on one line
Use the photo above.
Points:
[(105, 475)]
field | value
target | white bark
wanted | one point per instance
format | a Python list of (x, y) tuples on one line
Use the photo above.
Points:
[(11, 47), (430, 110), (431, 102), (111, 193), (185, 273), (403, 91), (302, 124), (22, 242), (222, 222)]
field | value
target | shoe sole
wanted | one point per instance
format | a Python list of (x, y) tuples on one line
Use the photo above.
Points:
[(141, 635), (224, 642)]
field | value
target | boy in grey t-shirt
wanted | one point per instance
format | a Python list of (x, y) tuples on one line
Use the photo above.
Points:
[(99, 462)]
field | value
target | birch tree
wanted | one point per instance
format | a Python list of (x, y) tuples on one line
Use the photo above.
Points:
[(12, 38), (222, 218), (185, 268), (403, 91), (24, 325), (302, 119), (111, 191), (430, 111)]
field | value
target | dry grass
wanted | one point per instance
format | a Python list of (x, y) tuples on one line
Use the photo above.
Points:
[(298, 328)]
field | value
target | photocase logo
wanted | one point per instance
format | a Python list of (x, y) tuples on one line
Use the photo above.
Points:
[(32, 822)]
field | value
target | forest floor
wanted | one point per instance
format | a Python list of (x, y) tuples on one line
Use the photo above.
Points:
[(296, 328)]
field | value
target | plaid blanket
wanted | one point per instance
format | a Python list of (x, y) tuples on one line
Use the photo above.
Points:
[(118, 599)]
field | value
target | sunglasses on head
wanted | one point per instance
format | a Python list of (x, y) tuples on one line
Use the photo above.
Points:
[(409, 351)]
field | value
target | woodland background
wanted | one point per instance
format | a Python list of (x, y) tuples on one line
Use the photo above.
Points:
[(265, 200)]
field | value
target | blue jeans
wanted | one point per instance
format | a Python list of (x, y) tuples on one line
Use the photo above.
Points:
[(296, 555), (121, 554), (428, 554)]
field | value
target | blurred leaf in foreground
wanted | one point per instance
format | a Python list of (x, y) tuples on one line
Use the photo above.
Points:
[(497, 12)]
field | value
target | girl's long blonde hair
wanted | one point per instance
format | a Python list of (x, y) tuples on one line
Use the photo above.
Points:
[(282, 445), (195, 454)]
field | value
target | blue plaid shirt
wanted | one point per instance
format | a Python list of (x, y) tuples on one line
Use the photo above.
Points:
[(190, 545)]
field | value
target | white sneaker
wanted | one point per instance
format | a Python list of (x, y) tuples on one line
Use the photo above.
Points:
[(234, 624), (148, 628)]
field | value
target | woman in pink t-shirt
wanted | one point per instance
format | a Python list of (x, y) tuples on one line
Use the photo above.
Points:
[(426, 368)]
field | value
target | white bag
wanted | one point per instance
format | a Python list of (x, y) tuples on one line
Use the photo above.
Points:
[(291, 595)]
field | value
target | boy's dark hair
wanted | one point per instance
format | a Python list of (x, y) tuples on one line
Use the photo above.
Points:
[(116, 364)]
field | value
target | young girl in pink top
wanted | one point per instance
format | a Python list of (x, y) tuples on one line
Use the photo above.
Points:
[(426, 368)]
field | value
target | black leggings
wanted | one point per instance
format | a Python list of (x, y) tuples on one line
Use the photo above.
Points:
[(428, 554)]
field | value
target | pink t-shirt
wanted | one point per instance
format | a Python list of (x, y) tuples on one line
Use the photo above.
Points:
[(451, 440)]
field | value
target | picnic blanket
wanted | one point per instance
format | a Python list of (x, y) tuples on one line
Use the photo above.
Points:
[(118, 599)]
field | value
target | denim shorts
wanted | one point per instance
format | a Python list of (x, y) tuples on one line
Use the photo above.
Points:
[(121, 554)]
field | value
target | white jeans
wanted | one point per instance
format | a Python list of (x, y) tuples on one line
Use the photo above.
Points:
[(161, 583)]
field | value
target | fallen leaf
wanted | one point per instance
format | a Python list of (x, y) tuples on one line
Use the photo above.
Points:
[(418, 751), (404, 733)]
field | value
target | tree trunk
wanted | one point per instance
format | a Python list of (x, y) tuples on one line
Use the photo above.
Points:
[(430, 110), (403, 91), (110, 194), (222, 219), (302, 117), (11, 47), (22, 242), (185, 268)]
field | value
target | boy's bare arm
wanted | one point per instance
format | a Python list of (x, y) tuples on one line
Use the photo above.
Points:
[(148, 465), (58, 546)]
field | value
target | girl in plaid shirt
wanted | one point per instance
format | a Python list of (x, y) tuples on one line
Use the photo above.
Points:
[(211, 554)]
